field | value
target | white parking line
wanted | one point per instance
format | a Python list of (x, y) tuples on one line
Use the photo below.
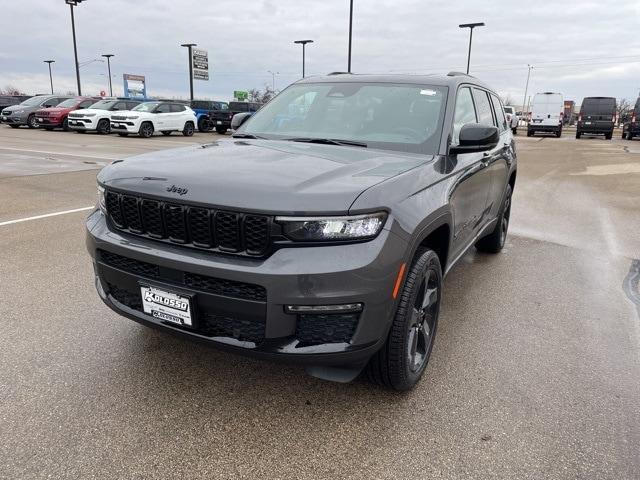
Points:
[(48, 152), (37, 217)]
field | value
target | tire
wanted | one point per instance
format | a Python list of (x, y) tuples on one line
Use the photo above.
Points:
[(221, 130), (578, 135), (166, 133), (65, 125), (104, 126), (31, 121), (123, 134), (559, 133), (629, 135), (494, 242), (188, 129), (146, 130), (204, 125), (515, 130), (608, 136), (529, 133), (414, 326)]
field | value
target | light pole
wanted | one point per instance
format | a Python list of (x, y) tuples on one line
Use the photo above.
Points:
[(350, 33), (73, 3), (526, 88), (189, 46), (50, 77), (303, 43), (108, 57), (273, 79), (470, 26)]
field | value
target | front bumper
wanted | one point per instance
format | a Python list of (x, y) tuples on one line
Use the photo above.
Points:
[(82, 124), (14, 119), (49, 122), (259, 325), (125, 126)]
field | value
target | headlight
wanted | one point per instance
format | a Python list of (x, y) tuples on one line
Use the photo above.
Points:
[(356, 227), (132, 118), (102, 202), (19, 111)]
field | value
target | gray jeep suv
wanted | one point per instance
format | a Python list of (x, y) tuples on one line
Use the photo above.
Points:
[(321, 232)]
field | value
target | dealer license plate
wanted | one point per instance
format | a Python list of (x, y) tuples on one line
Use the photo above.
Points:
[(166, 306)]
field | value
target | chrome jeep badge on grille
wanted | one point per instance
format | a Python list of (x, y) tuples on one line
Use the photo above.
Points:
[(179, 190)]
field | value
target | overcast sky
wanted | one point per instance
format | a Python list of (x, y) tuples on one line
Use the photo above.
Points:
[(578, 48)]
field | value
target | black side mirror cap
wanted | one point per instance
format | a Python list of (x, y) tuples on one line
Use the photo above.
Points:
[(476, 138), (239, 118)]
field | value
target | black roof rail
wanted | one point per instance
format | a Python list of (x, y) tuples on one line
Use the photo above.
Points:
[(456, 74)]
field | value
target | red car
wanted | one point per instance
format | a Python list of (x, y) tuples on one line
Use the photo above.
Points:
[(56, 117)]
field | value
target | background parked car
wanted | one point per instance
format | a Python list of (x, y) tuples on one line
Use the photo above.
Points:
[(97, 117), (212, 114), (57, 117), (11, 100), (24, 113), (597, 117), (150, 117), (547, 110), (512, 118), (630, 127)]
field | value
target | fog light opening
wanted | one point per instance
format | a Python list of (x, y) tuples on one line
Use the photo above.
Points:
[(346, 307)]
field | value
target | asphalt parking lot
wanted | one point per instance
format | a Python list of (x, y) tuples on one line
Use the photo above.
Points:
[(534, 373)]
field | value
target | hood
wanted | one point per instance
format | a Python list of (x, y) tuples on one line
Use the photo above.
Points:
[(53, 111), (261, 175)]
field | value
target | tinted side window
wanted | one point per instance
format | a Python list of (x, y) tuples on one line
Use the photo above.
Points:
[(52, 102), (131, 105), (485, 117), (120, 106), (163, 108), (497, 107), (87, 103), (464, 113), (177, 108)]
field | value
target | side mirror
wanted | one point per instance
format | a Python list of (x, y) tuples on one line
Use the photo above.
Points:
[(239, 118), (476, 138)]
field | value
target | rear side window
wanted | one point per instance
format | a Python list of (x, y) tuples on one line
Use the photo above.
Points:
[(485, 116), (120, 106), (86, 103), (497, 107), (599, 106), (163, 108), (177, 108), (131, 105), (52, 102), (465, 113)]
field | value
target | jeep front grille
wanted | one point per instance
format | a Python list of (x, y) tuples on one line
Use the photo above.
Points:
[(197, 227)]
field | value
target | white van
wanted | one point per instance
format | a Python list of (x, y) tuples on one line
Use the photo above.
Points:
[(547, 110)]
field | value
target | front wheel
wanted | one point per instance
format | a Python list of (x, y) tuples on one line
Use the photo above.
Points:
[(515, 130), (104, 126), (65, 125), (32, 122), (221, 130), (146, 130), (401, 361), (559, 133), (608, 136), (578, 135), (188, 129), (494, 242)]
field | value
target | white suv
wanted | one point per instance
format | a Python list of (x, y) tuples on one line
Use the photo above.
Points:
[(97, 117), (150, 117), (512, 118)]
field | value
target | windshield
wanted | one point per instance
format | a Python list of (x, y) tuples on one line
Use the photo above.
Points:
[(146, 107), (71, 102), (508, 109), (33, 101), (103, 104), (388, 116)]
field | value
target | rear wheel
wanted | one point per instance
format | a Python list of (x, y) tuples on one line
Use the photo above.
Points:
[(529, 133), (578, 135), (400, 363), (104, 126), (65, 124), (608, 136), (515, 130), (559, 132), (494, 242), (146, 130), (205, 125), (188, 129), (31, 121), (221, 130), (629, 135)]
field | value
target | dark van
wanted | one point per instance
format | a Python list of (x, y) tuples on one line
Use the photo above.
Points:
[(597, 117), (631, 127)]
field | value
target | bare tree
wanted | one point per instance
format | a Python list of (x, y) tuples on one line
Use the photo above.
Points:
[(507, 99), (623, 108), (11, 90), (261, 96)]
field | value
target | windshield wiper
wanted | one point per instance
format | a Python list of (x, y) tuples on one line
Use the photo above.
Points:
[(247, 135), (328, 141)]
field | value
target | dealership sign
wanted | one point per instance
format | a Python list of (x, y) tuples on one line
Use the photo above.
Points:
[(200, 60), (240, 95)]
